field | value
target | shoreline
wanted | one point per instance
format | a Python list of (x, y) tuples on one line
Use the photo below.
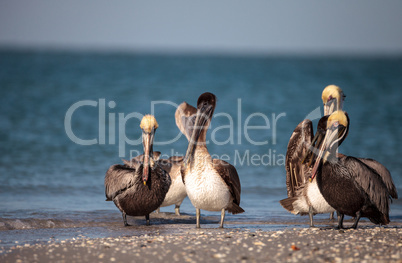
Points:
[(183, 242)]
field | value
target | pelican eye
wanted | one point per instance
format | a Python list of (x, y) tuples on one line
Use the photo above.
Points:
[(336, 124)]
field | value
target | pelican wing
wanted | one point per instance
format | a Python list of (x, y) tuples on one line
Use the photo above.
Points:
[(384, 173), (297, 173), (135, 162), (370, 182), (229, 175), (185, 118), (119, 178)]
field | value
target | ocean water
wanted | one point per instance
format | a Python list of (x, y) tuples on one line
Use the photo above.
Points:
[(67, 116)]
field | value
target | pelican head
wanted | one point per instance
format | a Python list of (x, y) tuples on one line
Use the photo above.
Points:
[(205, 109), (206, 104), (332, 97), (337, 129), (148, 126)]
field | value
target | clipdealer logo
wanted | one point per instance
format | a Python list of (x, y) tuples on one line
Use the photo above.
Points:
[(236, 130)]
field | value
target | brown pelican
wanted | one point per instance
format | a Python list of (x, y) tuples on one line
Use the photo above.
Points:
[(177, 191), (139, 187), (348, 184), (304, 197), (211, 184)]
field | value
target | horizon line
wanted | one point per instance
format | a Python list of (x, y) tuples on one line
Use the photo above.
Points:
[(241, 52)]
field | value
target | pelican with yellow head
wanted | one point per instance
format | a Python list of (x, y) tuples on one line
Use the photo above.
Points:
[(333, 98), (348, 184), (148, 126), (303, 196), (139, 187)]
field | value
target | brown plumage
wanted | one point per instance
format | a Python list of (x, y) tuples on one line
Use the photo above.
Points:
[(185, 116), (177, 191), (297, 172), (383, 172), (138, 187), (229, 174), (124, 186), (347, 183), (354, 189), (211, 185), (303, 197)]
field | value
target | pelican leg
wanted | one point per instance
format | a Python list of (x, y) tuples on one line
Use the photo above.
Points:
[(311, 214), (331, 216), (340, 220), (177, 210), (197, 216), (222, 217), (125, 219), (147, 219), (358, 215)]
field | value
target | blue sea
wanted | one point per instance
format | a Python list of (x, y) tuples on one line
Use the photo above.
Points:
[(67, 116)]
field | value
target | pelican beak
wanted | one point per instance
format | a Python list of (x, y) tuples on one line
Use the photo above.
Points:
[(203, 115), (329, 106), (332, 136), (147, 140), (315, 144), (317, 141)]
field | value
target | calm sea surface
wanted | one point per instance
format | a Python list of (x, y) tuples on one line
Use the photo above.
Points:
[(66, 117)]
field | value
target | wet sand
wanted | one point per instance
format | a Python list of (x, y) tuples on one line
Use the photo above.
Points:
[(182, 242)]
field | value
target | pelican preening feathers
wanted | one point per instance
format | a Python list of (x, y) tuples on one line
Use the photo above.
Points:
[(211, 184), (304, 196), (309, 196), (318, 178)]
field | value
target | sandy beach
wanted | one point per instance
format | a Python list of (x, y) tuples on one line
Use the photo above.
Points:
[(185, 243)]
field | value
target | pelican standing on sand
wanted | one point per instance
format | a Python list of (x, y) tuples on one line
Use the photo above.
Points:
[(211, 184), (139, 187), (304, 197), (348, 184)]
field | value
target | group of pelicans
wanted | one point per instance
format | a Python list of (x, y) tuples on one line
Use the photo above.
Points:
[(146, 183), (321, 180), (318, 178)]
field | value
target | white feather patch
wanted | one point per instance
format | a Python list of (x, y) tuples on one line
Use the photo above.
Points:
[(206, 189)]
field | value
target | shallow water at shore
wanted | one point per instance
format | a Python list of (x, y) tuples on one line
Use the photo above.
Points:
[(103, 224), (52, 187)]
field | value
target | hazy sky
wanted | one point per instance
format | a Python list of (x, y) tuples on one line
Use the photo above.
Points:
[(223, 25)]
